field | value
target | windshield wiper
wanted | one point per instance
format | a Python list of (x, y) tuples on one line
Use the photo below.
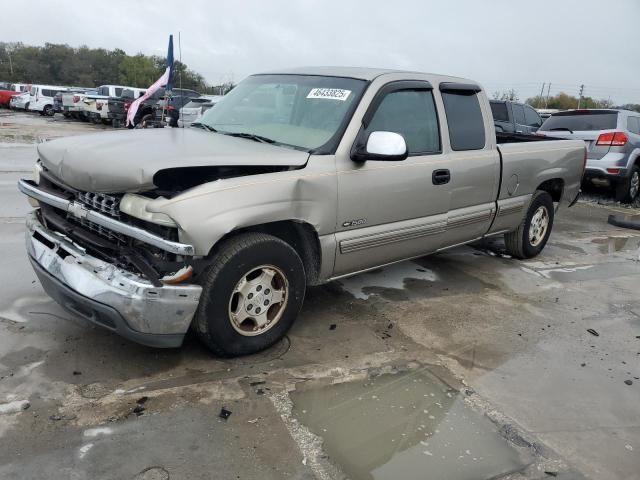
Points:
[(561, 128), (203, 126), (251, 136)]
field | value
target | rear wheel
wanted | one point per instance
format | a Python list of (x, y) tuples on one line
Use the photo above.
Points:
[(251, 295), (145, 122), (532, 234), (627, 190), (48, 111)]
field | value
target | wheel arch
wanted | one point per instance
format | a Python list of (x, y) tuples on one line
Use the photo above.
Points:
[(554, 187), (302, 236)]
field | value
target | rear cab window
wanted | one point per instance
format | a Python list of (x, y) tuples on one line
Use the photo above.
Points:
[(464, 116), (499, 111), (582, 121), (518, 114)]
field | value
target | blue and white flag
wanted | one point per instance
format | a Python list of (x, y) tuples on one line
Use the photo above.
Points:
[(166, 80)]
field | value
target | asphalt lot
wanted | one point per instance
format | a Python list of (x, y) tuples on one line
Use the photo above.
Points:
[(505, 341)]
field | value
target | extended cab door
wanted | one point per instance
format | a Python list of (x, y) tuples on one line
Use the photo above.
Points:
[(390, 210), (474, 162)]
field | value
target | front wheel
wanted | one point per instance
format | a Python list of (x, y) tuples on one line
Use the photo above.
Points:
[(251, 295), (48, 111), (627, 190), (528, 240)]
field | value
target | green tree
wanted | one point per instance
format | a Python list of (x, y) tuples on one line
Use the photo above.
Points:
[(562, 101), (60, 64), (509, 95)]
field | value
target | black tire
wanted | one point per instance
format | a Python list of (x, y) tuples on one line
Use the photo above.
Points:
[(66, 114), (235, 259), (627, 190), (48, 111), (518, 242), (146, 121)]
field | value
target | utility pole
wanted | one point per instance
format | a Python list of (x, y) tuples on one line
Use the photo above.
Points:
[(580, 97), (546, 102), (10, 63), (541, 93)]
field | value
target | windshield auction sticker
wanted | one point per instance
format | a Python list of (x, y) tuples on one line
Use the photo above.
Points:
[(329, 93)]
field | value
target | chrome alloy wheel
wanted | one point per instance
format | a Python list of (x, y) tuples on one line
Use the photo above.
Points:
[(538, 226), (258, 300)]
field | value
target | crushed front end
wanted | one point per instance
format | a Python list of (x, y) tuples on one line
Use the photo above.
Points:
[(122, 273)]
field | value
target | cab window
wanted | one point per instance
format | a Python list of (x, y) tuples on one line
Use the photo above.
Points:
[(531, 117), (412, 114), (464, 118)]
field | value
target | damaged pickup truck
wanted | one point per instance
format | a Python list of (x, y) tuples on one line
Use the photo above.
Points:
[(295, 178)]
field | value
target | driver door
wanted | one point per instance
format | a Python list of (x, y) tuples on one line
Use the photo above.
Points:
[(391, 210)]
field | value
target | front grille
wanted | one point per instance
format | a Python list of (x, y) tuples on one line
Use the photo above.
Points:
[(100, 230), (101, 202)]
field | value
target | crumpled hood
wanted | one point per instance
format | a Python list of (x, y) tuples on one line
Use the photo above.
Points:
[(126, 161)]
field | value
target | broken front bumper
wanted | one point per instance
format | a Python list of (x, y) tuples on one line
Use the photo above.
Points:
[(106, 295)]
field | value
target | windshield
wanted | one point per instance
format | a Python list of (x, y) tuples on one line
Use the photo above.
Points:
[(581, 121), (304, 112)]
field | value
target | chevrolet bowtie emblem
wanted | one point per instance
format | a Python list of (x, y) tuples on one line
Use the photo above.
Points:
[(77, 210)]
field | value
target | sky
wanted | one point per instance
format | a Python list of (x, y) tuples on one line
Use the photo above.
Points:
[(502, 44)]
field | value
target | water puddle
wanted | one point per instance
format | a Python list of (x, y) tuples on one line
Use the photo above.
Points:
[(391, 277), (404, 426), (617, 244)]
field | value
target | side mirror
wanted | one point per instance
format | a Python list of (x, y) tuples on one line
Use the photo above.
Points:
[(386, 146)]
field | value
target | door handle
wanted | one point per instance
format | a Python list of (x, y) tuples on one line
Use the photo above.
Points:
[(440, 177)]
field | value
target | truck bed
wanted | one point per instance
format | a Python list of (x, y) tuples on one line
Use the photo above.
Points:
[(505, 137)]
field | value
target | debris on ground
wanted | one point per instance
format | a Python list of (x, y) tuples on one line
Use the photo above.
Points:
[(629, 382), (139, 410), (224, 413), (77, 372), (142, 400), (14, 406), (593, 332), (551, 474), (260, 382), (55, 418), (332, 326)]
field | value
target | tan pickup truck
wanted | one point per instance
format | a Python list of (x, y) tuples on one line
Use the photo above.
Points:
[(295, 178)]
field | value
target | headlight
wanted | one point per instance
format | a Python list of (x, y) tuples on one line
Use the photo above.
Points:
[(136, 206)]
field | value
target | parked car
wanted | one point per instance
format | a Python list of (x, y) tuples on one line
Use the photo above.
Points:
[(145, 115), (20, 101), (97, 106), (193, 111), (10, 90), (168, 109), (117, 107), (42, 97), (514, 117), (295, 179), (612, 138), (73, 102)]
